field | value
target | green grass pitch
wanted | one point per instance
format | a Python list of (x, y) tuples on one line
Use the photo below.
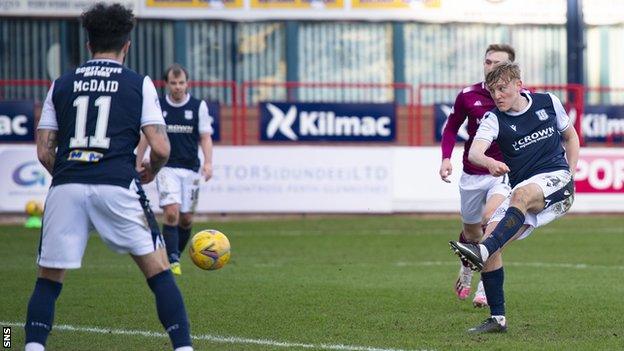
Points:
[(350, 283)]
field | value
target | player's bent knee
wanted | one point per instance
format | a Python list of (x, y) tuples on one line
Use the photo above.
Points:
[(186, 221), (171, 217), (520, 197), (54, 274)]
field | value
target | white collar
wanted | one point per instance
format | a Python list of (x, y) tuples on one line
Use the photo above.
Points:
[(528, 106), (104, 60), (178, 104)]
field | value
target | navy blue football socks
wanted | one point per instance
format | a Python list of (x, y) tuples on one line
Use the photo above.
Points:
[(171, 236), (183, 237), (505, 230), (493, 286), (40, 313), (170, 307)]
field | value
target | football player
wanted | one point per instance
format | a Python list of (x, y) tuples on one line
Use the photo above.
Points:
[(529, 129), (188, 124), (89, 128), (480, 192)]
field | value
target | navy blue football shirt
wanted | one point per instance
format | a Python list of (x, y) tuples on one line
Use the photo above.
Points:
[(98, 110), (186, 121), (530, 140)]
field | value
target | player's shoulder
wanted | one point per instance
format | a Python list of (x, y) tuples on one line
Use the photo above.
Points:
[(194, 101), (474, 88), (491, 114), (542, 99), (472, 93)]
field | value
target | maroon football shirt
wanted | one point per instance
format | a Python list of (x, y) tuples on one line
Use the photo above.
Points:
[(472, 103)]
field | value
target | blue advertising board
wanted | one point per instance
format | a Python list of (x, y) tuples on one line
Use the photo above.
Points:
[(440, 114), (603, 121), (309, 121), (17, 122), (599, 122), (214, 110)]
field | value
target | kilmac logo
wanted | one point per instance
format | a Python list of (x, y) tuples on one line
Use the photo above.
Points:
[(332, 122), (533, 138)]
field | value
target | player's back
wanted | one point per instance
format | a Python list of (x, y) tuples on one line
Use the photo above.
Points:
[(98, 110)]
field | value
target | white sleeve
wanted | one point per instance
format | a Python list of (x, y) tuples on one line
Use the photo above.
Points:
[(488, 128), (563, 121), (150, 112), (205, 120), (48, 113)]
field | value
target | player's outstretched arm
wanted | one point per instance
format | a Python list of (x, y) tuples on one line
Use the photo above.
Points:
[(46, 148), (156, 135), (572, 147)]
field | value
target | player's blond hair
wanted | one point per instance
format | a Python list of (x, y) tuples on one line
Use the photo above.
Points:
[(505, 72), (502, 48)]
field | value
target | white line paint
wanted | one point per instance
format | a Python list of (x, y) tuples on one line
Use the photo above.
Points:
[(213, 338)]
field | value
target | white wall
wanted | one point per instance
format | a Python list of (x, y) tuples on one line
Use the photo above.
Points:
[(299, 179)]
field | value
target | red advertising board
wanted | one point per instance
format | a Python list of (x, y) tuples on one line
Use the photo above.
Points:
[(600, 171)]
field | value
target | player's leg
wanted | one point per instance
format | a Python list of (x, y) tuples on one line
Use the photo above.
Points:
[(493, 278), (472, 198), (471, 233), (169, 301), (171, 235), (40, 313), (525, 197), (169, 183), (64, 236), (497, 193), (190, 197), (544, 198), (120, 216), (184, 229)]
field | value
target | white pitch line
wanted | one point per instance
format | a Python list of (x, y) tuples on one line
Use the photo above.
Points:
[(214, 338), (515, 264)]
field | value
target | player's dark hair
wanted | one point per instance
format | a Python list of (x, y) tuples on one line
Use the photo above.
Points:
[(503, 48), (108, 26), (177, 69), (506, 72)]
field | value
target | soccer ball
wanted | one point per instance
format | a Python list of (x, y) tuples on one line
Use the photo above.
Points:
[(33, 208), (210, 249)]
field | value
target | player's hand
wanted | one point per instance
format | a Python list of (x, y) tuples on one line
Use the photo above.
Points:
[(207, 171), (497, 168), (446, 169), (146, 173), (139, 168)]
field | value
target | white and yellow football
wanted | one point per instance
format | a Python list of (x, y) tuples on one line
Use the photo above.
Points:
[(33, 208), (210, 249)]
